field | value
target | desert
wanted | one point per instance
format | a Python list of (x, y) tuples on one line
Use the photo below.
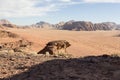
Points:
[(59, 40), (26, 64), (83, 43)]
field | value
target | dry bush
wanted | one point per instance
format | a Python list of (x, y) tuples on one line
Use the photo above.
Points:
[(115, 55), (118, 35)]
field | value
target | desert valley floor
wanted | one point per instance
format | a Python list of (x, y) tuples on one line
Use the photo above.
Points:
[(23, 66), (83, 43)]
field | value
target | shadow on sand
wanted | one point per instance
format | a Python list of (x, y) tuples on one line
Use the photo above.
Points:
[(88, 68)]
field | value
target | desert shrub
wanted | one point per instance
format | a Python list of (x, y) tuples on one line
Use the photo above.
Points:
[(115, 55), (63, 55), (118, 35)]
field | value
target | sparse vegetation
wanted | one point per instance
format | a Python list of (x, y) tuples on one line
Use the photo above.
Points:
[(118, 35), (115, 55), (64, 55)]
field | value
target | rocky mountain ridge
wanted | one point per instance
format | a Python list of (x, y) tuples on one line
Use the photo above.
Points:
[(70, 25), (78, 25), (88, 26), (42, 24), (6, 24)]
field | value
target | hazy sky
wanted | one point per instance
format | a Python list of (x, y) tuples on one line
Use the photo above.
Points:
[(25, 12)]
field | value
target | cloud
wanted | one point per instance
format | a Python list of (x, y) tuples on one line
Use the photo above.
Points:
[(28, 8), (101, 1), (23, 8), (65, 0)]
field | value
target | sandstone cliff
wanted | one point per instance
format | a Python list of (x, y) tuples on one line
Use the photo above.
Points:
[(6, 24), (88, 26)]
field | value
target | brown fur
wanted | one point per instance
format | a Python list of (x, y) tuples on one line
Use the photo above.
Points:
[(54, 47)]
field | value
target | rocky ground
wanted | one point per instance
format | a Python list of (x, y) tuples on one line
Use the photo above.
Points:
[(11, 64), (4, 34), (36, 67)]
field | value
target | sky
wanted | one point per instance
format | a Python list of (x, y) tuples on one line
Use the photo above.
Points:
[(26, 12)]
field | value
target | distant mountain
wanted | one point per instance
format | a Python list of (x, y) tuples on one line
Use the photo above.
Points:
[(58, 25), (6, 24), (43, 24), (118, 27), (88, 26), (4, 21), (102, 26), (77, 25), (70, 25)]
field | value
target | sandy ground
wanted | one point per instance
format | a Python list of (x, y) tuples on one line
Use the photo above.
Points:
[(83, 43)]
